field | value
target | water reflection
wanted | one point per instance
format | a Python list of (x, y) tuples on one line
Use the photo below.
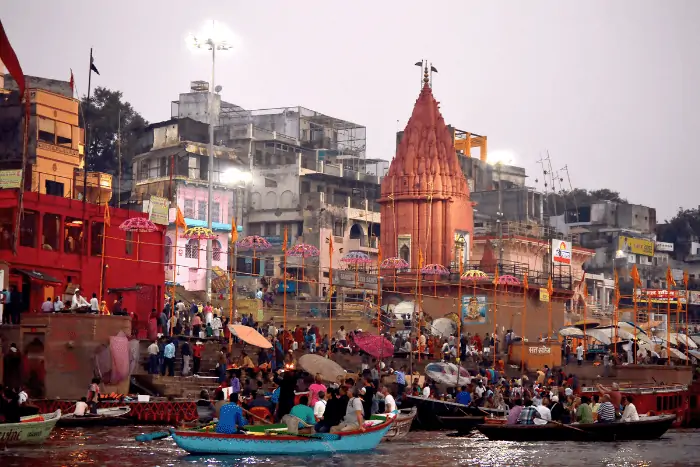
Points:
[(116, 447)]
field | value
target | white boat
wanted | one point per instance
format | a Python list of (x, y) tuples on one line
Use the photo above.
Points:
[(33, 429)]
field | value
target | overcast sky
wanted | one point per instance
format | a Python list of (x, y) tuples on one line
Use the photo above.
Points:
[(609, 88)]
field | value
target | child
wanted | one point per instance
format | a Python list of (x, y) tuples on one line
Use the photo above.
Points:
[(81, 407), (209, 330)]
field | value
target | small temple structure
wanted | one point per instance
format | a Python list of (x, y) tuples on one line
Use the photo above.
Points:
[(425, 206)]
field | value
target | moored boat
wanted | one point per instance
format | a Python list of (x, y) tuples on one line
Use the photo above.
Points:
[(105, 417), (197, 442), (462, 424), (402, 423), (33, 429), (646, 428), (431, 410)]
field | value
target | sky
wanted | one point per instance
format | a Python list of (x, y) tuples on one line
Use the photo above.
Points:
[(609, 89)]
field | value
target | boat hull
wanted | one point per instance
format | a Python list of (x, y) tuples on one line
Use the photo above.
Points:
[(112, 416), (646, 429), (402, 424), (461, 424), (27, 432), (240, 444), (430, 412)]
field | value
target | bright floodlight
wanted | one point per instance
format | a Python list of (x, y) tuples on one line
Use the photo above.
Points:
[(213, 34), (505, 157), (233, 176)]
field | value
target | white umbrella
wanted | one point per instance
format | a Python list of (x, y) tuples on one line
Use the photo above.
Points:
[(629, 327), (571, 332), (678, 337), (678, 354), (443, 327)]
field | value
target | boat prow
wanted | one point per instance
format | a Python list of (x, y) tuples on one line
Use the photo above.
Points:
[(104, 417), (197, 442), (33, 429)]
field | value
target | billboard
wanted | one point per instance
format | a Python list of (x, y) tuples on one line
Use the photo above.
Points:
[(638, 246), (664, 246), (474, 309), (561, 251), (544, 294), (158, 210), (10, 178), (359, 280)]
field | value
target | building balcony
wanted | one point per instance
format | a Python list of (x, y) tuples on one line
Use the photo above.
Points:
[(99, 187)]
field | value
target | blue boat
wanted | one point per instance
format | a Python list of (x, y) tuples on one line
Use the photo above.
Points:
[(280, 444)]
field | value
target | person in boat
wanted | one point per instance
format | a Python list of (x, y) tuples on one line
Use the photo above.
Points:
[(463, 396), (9, 405), (315, 389), (556, 409), (606, 411), (205, 409), (81, 407), (528, 414), (353, 419), (389, 401), (630, 413), (583, 412), (544, 411), (515, 411), (286, 394), (219, 401), (303, 412), (231, 418), (93, 395), (614, 394), (334, 411)]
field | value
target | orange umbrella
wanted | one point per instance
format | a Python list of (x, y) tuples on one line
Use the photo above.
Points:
[(249, 335)]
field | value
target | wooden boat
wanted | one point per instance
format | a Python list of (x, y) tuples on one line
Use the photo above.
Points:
[(462, 424), (430, 411), (197, 442), (32, 429), (645, 429), (402, 423), (105, 417)]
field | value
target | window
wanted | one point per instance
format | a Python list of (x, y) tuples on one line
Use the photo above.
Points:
[(254, 228), (28, 228), (47, 130), (129, 243), (193, 167), (216, 212), (202, 210), (163, 167), (270, 183), (63, 135), (189, 209), (54, 188), (73, 236), (305, 187), (192, 248), (270, 266), (96, 232), (51, 233), (216, 250)]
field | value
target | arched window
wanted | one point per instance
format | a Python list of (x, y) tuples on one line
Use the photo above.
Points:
[(358, 233), (216, 250), (405, 254), (192, 248), (168, 259)]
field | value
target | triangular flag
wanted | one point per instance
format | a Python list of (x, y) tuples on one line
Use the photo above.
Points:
[(72, 84), (92, 64), (9, 59), (179, 218), (550, 288), (108, 216), (670, 282), (285, 238), (635, 277), (234, 231), (526, 284)]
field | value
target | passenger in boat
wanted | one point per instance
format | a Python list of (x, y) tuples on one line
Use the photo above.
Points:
[(606, 411), (205, 409), (630, 413), (81, 407), (219, 401), (9, 405), (614, 394), (528, 414), (353, 419), (515, 411), (389, 401), (463, 397), (544, 411), (231, 418), (556, 409), (584, 414), (93, 395)]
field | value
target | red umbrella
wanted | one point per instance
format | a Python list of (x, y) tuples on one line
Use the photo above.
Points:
[(376, 346)]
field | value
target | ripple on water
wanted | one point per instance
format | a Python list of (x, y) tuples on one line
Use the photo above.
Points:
[(116, 447)]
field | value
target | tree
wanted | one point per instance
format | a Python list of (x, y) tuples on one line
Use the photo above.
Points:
[(103, 112), (557, 203)]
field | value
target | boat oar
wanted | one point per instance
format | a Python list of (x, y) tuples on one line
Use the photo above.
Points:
[(569, 426), (257, 417)]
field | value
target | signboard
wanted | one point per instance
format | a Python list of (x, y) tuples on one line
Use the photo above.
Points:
[(639, 246), (541, 350), (544, 294), (348, 278), (10, 178), (660, 295), (664, 246), (694, 297), (158, 210), (474, 309), (561, 251)]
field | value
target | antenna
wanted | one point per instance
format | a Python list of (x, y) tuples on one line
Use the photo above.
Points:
[(119, 158)]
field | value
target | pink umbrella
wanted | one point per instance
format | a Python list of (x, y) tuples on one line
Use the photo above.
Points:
[(394, 263), (138, 225), (376, 346), (356, 258), (435, 270), (255, 243), (508, 280), (303, 250)]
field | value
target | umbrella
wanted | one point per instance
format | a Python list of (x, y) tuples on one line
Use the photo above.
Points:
[(327, 368), (303, 250), (255, 243), (694, 353), (508, 280), (376, 346), (571, 332), (474, 274), (678, 354), (589, 323), (629, 327), (394, 263), (356, 257), (199, 233), (446, 373), (249, 335), (443, 327), (683, 339), (436, 269), (138, 225)]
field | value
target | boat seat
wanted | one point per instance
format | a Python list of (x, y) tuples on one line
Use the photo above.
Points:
[(293, 424)]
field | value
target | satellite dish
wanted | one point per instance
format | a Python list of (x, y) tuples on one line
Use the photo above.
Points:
[(218, 88)]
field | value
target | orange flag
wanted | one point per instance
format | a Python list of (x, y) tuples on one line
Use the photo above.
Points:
[(635, 277), (284, 239), (420, 259), (379, 254), (108, 216), (685, 279), (234, 231), (180, 219), (670, 282), (550, 288), (526, 284), (495, 276)]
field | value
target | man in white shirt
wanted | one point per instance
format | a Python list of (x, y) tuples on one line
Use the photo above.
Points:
[(545, 413), (389, 402), (81, 407), (58, 305), (79, 302), (320, 406), (94, 304), (630, 413), (579, 354), (47, 306), (426, 391), (259, 294)]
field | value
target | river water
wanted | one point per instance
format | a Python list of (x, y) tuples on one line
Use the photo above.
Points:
[(116, 447)]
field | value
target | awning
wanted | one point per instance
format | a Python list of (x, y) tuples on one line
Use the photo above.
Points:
[(37, 276)]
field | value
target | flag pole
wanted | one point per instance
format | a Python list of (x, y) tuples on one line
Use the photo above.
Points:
[(87, 135), (330, 285), (284, 279), (459, 315), (687, 304), (495, 316), (379, 291), (105, 224), (668, 315), (177, 236), (526, 286)]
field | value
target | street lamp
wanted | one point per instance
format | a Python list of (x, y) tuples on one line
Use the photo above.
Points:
[(213, 37)]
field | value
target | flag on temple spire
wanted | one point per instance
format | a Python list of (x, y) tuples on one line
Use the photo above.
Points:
[(72, 84), (9, 59)]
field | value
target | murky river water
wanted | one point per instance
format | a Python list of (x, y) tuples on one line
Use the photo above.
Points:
[(116, 447)]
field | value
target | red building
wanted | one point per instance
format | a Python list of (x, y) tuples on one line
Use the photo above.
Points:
[(425, 202), (60, 249)]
